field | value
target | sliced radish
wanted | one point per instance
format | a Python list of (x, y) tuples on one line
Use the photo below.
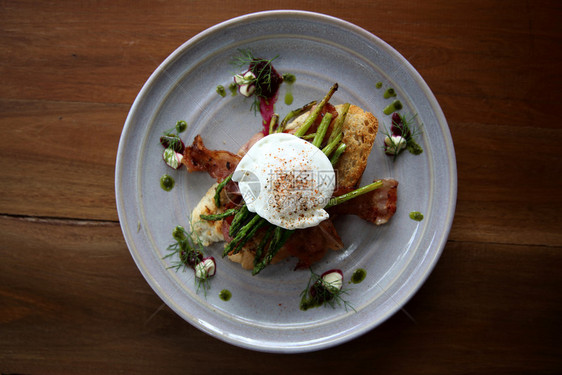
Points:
[(332, 280), (394, 144), (172, 158), (246, 83), (172, 141), (206, 268), (247, 90)]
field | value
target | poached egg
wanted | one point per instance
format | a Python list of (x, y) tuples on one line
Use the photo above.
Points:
[(286, 180)]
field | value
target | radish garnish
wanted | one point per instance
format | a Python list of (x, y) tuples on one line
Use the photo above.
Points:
[(172, 158), (189, 249), (394, 144), (332, 280), (401, 136), (206, 268), (172, 141), (246, 83), (325, 289)]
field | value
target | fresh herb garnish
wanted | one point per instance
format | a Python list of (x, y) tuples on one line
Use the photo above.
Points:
[(320, 293), (173, 145), (172, 141), (402, 136), (189, 251), (264, 77)]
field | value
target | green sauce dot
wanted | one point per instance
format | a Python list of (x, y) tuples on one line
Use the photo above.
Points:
[(389, 93), (233, 89), (393, 107), (378, 85), (417, 216), (179, 233), (289, 78), (167, 182), (181, 126), (225, 295), (358, 275), (221, 91), (288, 98)]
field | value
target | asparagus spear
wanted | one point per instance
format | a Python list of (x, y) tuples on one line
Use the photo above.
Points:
[(280, 236), (244, 234), (332, 145), (273, 122), (220, 216), (322, 129), (337, 135), (315, 112), (309, 136), (263, 243), (339, 151), (219, 189), (238, 220), (250, 234), (338, 126), (353, 194), (294, 113)]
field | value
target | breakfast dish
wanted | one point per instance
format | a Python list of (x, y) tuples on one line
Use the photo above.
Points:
[(381, 266), (277, 176)]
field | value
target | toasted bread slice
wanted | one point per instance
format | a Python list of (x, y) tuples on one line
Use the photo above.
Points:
[(359, 131)]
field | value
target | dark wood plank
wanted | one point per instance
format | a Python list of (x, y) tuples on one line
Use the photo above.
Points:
[(496, 63), (57, 159), (75, 300), (507, 192)]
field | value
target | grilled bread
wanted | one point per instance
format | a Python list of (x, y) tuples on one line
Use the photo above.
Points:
[(359, 131)]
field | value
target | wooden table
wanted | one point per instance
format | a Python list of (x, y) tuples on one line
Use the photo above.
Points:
[(71, 298)]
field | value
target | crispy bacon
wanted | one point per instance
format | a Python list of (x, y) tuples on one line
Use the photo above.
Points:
[(377, 206), (244, 149), (311, 244), (218, 163)]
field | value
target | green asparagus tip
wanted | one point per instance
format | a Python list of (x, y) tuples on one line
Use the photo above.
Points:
[(353, 194)]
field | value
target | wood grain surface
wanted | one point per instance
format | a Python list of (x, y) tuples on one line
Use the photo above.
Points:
[(71, 298)]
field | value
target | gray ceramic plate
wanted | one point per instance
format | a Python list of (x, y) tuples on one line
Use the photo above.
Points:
[(263, 313)]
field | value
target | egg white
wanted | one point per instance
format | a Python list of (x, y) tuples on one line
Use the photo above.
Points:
[(286, 180)]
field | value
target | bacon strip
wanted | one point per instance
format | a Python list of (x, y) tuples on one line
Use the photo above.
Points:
[(377, 206), (311, 244), (218, 163), (244, 149)]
